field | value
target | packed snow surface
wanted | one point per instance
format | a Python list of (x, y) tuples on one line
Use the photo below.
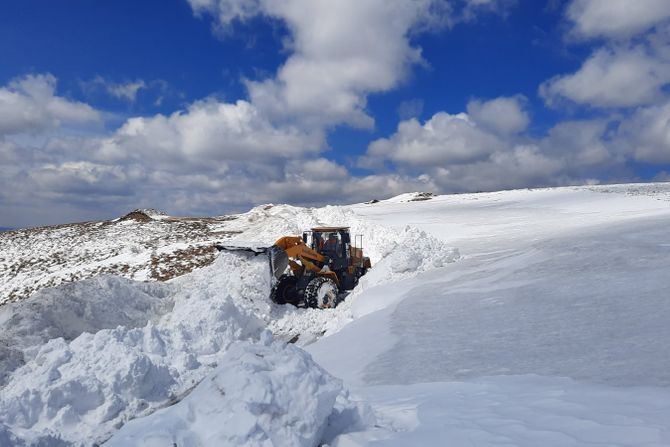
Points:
[(551, 329)]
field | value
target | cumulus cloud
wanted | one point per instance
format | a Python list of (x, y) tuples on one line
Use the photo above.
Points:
[(582, 144), (503, 115), (341, 51), (612, 77), (632, 65), (516, 167), (211, 157), (481, 151), (208, 131), (443, 139), (646, 134), (455, 153), (615, 19), (29, 104)]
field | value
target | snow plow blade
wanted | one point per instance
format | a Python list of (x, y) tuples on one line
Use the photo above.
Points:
[(254, 250), (277, 257)]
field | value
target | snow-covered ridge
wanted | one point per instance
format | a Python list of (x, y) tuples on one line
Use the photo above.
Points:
[(145, 245)]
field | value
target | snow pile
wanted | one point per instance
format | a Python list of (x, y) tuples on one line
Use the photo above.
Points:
[(102, 302), (261, 394), (409, 253), (83, 390)]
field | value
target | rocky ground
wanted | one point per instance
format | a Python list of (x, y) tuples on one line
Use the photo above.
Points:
[(143, 245)]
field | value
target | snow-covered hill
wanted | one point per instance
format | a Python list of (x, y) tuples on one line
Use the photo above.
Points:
[(549, 328), (143, 245)]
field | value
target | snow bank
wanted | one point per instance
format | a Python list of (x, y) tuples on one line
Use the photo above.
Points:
[(261, 394), (103, 302), (83, 390)]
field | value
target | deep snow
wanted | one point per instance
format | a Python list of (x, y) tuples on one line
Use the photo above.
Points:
[(550, 330)]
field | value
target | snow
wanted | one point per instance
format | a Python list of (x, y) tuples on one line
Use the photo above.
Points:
[(261, 394), (550, 329), (89, 356), (161, 248), (84, 389), (514, 411), (103, 302)]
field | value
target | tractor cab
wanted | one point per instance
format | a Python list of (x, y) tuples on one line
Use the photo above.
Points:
[(346, 259), (333, 242)]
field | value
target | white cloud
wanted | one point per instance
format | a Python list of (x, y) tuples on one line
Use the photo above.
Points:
[(226, 11), (341, 51), (647, 134), (29, 104), (631, 68), (443, 139), (520, 166), (208, 132), (612, 77), (127, 91), (580, 143), (455, 153), (615, 19), (502, 115)]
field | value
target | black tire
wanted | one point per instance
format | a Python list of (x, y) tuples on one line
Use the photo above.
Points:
[(285, 292), (321, 293)]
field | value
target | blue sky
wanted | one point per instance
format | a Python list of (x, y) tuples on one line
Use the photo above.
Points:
[(213, 106)]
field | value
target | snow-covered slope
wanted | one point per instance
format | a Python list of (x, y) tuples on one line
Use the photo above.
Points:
[(549, 330), (143, 245)]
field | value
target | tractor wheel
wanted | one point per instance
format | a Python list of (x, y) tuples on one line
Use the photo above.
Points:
[(321, 293), (285, 291)]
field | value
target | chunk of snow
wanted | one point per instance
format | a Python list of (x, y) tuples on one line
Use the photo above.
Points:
[(261, 394), (83, 390)]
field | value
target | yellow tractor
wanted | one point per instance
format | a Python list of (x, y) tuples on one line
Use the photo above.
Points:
[(312, 270)]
